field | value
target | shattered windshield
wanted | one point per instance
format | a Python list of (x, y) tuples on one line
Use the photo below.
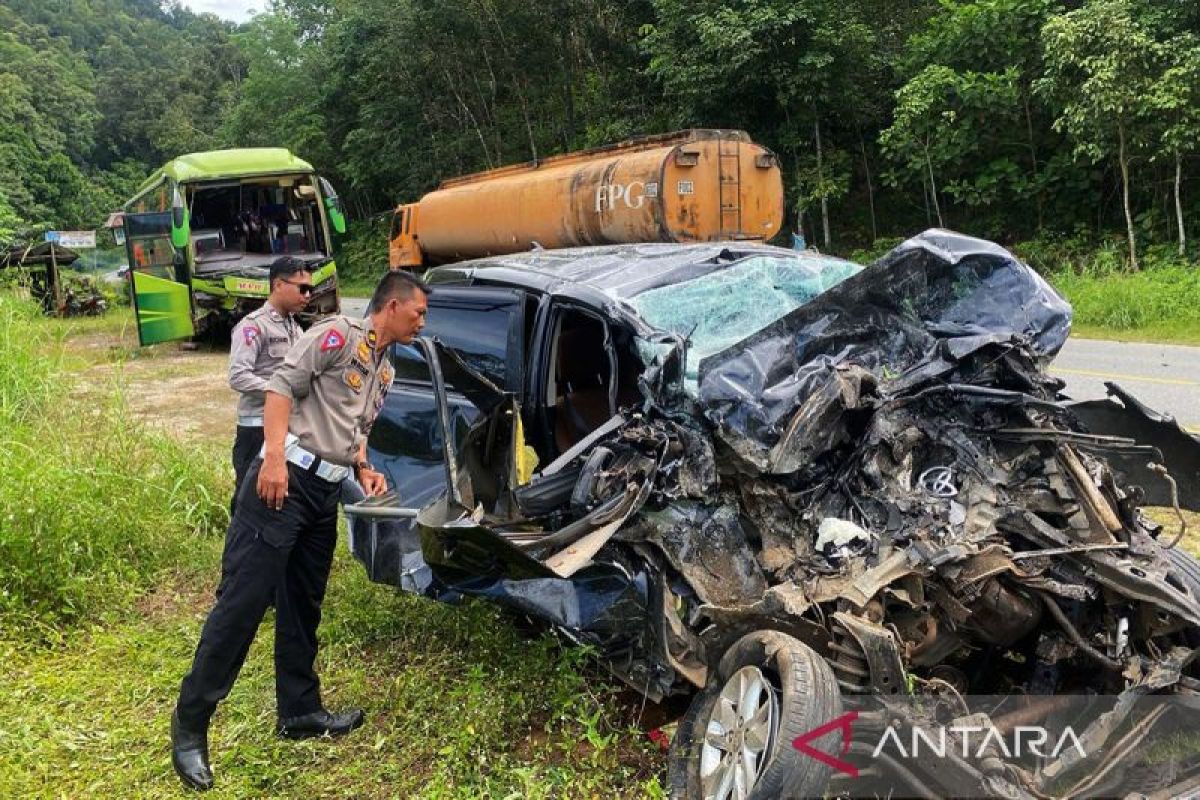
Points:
[(723, 307)]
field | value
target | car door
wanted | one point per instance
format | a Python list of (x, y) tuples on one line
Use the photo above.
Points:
[(485, 327)]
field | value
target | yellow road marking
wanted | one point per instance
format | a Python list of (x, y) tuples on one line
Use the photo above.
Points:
[(1117, 376)]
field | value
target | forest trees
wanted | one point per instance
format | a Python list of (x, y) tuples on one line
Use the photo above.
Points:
[(1010, 119), (800, 75), (1101, 65), (92, 94)]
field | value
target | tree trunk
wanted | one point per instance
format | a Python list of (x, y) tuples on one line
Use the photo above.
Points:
[(1124, 159), (1179, 201), (487, 156), (925, 200), (821, 184), (937, 208), (1037, 192), (870, 188)]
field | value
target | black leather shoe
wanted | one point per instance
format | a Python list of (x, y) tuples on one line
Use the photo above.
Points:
[(189, 755), (320, 723)]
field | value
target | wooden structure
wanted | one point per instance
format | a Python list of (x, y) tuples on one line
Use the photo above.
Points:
[(41, 263)]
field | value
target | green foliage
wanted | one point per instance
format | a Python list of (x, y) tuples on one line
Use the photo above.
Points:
[(11, 225), (804, 77), (1163, 297), (96, 90), (1100, 66), (1174, 99), (1000, 118), (93, 507), (362, 256)]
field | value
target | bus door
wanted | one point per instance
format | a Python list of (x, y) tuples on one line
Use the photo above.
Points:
[(156, 241)]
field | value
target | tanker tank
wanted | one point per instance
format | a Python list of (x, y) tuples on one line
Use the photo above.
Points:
[(690, 186)]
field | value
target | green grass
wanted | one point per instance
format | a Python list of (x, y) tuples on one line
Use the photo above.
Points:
[(458, 706), (92, 507), (110, 538), (1158, 304)]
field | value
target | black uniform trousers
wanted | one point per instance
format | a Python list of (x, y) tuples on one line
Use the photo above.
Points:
[(247, 444), (282, 556)]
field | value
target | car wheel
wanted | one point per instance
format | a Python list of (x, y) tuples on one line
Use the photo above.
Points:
[(735, 742)]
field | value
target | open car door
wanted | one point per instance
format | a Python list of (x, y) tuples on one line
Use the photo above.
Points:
[(156, 242), (423, 419)]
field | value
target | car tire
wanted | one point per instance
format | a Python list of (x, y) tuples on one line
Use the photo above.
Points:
[(805, 696), (1186, 569)]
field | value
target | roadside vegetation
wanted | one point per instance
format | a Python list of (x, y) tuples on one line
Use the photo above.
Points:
[(110, 535), (1068, 130), (1160, 302)]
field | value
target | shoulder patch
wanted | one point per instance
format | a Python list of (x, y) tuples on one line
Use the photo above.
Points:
[(333, 341), (250, 333)]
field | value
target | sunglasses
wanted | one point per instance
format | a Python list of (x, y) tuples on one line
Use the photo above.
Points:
[(303, 288)]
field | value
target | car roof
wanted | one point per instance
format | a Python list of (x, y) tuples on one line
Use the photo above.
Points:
[(622, 271)]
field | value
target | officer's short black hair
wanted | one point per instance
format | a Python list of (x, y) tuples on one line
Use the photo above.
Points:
[(396, 283), (285, 267)]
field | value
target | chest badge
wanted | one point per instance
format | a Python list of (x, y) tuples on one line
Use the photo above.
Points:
[(363, 351), (354, 380)]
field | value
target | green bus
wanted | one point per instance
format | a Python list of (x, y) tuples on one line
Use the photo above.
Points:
[(202, 231)]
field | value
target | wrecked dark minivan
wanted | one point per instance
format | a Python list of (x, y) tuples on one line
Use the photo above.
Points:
[(790, 486)]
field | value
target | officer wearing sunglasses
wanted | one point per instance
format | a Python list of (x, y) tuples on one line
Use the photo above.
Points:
[(260, 341)]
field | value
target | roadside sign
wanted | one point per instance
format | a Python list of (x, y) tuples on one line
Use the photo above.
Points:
[(72, 239)]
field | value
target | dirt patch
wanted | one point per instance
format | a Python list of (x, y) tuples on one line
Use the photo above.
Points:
[(184, 393)]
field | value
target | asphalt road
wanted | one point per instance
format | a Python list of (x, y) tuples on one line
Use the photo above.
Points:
[(1164, 377)]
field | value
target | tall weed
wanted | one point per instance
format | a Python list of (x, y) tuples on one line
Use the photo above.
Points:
[(93, 507), (1163, 296)]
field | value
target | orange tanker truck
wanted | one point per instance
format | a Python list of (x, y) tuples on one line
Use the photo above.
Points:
[(690, 186)]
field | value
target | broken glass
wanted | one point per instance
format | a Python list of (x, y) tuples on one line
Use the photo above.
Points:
[(722, 308)]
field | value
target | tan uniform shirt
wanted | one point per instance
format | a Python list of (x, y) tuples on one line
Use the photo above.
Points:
[(337, 383), (260, 342)]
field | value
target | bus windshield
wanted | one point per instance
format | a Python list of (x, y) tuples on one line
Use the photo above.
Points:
[(250, 222)]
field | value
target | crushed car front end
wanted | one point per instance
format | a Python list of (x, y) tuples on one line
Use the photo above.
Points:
[(876, 500)]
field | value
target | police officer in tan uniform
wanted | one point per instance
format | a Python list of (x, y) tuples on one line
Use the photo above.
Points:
[(319, 408), (260, 341)]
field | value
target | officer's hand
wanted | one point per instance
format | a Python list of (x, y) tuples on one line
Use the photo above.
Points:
[(373, 482), (273, 482)]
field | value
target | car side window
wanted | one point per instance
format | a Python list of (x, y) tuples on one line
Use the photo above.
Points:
[(480, 332)]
